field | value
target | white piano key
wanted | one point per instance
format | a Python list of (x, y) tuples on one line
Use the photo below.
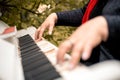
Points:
[(45, 46)]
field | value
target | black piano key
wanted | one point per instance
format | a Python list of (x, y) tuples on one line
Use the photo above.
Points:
[(27, 46), (25, 43), (29, 52), (32, 59), (28, 76), (32, 54), (28, 49), (25, 37), (26, 63), (46, 72), (36, 64), (49, 75), (40, 70)]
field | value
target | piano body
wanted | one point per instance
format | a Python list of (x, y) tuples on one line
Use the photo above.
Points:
[(21, 58)]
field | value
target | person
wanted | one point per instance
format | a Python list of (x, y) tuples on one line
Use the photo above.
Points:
[(96, 38)]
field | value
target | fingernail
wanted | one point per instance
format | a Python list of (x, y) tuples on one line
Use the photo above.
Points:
[(84, 56)]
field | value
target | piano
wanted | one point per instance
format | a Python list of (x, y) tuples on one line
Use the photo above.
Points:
[(24, 59)]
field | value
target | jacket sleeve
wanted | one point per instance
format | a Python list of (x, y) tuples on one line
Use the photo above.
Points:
[(112, 14), (70, 18), (113, 26)]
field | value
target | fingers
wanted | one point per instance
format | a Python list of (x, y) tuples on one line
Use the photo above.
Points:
[(76, 54), (47, 24), (80, 49), (39, 33), (63, 48), (87, 52)]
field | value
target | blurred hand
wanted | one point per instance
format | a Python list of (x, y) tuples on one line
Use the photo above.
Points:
[(83, 40), (49, 23)]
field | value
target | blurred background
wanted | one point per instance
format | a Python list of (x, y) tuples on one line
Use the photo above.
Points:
[(25, 13)]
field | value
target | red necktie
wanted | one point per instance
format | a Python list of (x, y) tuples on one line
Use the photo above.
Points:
[(89, 9)]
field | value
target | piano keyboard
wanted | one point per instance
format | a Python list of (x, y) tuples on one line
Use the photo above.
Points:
[(33, 54), (36, 66), (37, 61)]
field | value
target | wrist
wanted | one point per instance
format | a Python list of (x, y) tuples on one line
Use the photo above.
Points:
[(54, 16)]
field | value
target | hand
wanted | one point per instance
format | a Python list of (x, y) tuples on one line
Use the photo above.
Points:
[(49, 23), (83, 40)]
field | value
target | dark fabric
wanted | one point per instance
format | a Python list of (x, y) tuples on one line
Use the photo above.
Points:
[(110, 9), (95, 57), (99, 54), (70, 18), (88, 10), (74, 17)]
